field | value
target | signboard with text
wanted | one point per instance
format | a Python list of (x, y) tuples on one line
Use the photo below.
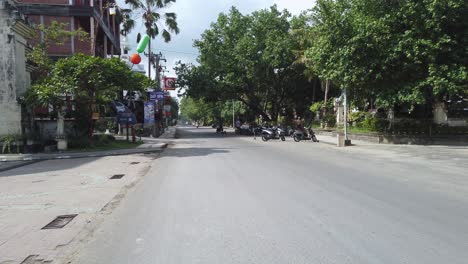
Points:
[(169, 83), (159, 95)]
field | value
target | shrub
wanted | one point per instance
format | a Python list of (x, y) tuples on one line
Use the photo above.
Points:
[(329, 120), (8, 141), (358, 117), (374, 124), (103, 139), (100, 125), (79, 142)]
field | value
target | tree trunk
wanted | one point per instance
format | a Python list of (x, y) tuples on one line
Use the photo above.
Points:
[(440, 112), (256, 109), (327, 87), (314, 87)]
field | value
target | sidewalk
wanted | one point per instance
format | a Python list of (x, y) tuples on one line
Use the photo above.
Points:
[(33, 196), (444, 157)]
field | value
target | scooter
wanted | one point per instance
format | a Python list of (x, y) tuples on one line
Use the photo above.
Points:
[(273, 133), (304, 135)]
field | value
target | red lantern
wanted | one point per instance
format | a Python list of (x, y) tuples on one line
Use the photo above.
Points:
[(135, 58)]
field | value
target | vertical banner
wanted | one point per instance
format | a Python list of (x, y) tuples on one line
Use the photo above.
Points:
[(169, 83), (149, 112)]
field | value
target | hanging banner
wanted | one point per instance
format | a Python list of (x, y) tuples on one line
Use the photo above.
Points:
[(149, 112), (169, 83)]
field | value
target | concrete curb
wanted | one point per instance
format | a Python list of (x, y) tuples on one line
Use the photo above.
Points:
[(328, 143), (77, 155), (169, 134), (17, 165)]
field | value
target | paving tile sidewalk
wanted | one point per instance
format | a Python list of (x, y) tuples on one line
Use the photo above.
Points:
[(32, 196)]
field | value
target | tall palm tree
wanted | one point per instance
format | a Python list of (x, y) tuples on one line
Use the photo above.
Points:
[(151, 14), (127, 22)]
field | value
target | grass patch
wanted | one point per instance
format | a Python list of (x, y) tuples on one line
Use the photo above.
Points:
[(361, 130)]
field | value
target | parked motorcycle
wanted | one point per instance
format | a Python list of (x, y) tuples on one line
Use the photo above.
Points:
[(300, 135), (273, 133)]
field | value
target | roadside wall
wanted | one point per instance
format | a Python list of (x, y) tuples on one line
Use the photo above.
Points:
[(10, 110)]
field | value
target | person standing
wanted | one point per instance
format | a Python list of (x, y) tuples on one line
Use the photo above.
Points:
[(238, 126)]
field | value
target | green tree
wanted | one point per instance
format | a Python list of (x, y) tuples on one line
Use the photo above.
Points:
[(91, 81), (394, 51), (196, 110), (151, 17), (248, 58)]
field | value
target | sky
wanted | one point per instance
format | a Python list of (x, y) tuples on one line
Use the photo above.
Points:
[(194, 17)]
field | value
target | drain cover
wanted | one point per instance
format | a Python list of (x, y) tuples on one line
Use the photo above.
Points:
[(133, 163), (60, 221), (117, 176)]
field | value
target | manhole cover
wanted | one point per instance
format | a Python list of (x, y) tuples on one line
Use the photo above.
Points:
[(117, 176), (60, 221), (133, 163)]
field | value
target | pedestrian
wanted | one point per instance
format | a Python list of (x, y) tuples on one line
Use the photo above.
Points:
[(238, 126)]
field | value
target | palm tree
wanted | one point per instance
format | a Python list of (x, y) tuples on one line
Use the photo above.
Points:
[(151, 17), (127, 22)]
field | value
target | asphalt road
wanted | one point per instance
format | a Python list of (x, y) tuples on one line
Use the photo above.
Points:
[(212, 199)]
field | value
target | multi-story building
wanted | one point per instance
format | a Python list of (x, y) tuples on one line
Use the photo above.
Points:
[(97, 17)]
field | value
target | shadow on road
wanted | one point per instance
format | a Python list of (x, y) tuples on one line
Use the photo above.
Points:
[(47, 166)]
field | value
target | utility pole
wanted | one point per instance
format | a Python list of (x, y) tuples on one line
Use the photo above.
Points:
[(150, 57), (157, 59)]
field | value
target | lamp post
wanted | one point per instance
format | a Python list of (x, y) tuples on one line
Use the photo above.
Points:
[(347, 142), (345, 104)]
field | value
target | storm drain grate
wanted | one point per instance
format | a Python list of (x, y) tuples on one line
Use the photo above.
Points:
[(60, 221), (133, 163), (117, 176)]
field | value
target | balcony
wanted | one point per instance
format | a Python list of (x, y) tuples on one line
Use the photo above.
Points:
[(80, 8)]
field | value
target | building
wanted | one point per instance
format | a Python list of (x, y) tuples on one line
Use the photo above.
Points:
[(14, 69), (97, 17)]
